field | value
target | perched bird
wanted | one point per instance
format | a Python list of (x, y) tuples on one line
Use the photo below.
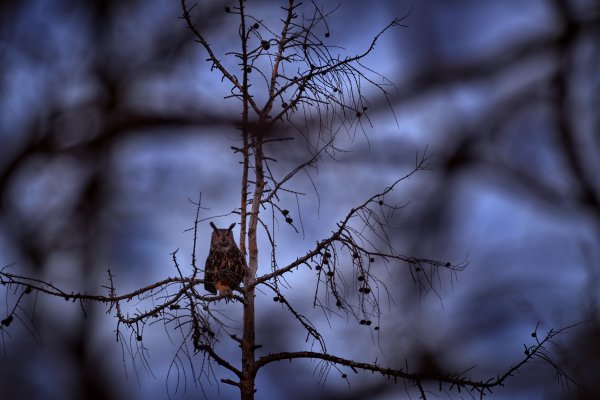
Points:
[(225, 265)]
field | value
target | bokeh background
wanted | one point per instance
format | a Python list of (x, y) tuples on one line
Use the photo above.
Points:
[(111, 121)]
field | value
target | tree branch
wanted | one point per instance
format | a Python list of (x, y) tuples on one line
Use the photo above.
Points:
[(219, 360), (341, 226), (538, 350), (213, 58)]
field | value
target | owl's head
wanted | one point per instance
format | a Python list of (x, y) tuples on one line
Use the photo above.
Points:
[(222, 238)]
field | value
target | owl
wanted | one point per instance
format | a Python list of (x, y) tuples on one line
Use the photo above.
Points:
[(225, 265)]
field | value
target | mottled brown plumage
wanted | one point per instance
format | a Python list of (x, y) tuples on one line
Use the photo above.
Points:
[(225, 265)]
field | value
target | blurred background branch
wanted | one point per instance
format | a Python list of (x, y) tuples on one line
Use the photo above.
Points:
[(109, 115)]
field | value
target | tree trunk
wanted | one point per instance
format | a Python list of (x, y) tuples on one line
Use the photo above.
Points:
[(248, 360), (248, 340)]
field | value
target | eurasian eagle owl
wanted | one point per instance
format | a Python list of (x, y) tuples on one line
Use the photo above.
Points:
[(225, 265)]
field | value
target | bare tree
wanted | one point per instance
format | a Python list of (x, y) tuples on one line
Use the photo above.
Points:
[(287, 78)]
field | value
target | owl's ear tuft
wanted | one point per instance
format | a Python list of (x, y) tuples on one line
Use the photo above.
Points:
[(213, 226), (231, 227)]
